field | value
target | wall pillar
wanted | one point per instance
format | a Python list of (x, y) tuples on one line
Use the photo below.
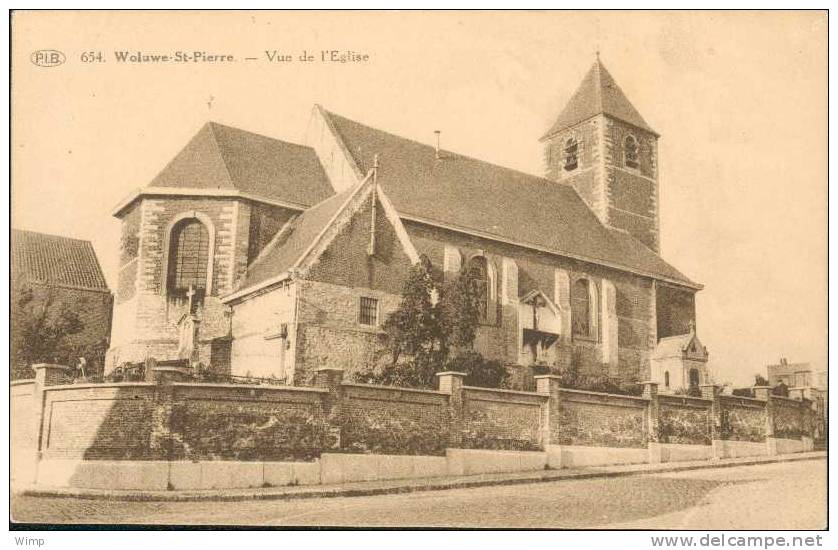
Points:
[(550, 386), (46, 374), (331, 379), (452, 383), (712, 391), (650, 392)]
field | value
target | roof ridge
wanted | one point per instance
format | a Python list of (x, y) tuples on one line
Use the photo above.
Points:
[(30, 231), (238, 129), (541, 179), (211, 125)]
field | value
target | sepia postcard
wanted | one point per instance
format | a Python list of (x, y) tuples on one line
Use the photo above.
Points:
[(560, 270)]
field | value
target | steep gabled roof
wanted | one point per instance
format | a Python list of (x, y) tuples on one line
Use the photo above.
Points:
[(289, 246), (598, 94), (222, 157), (463, 193), (55, 260), (301, 242)]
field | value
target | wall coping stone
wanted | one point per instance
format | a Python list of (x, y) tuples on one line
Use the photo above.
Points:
[(504, 391), (250, 387), (40, 366), (396, 388), (103, 385), (452, 373), (685, 398), (732, 397), (602, 394), (550, 376), (22, 382)]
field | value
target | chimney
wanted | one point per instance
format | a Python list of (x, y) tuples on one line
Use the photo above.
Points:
[(437, 132)]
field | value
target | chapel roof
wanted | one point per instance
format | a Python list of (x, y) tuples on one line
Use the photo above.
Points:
[(597, 94), (223, 157), (55, 260)]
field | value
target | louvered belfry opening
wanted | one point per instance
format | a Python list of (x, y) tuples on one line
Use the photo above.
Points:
[(188, 261)]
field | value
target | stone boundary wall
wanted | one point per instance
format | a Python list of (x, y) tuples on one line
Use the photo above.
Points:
[(742, 419), (601, 420), (177, 422), (22, 434), (395, 421), (684, 420), (501, 419), (148, 421)]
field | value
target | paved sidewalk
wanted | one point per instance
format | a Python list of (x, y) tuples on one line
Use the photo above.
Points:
[(395, 486)]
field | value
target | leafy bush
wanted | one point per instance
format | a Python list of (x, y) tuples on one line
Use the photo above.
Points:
[(479, 371)]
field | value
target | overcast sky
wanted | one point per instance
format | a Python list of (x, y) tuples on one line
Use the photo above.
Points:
[(739, 99)]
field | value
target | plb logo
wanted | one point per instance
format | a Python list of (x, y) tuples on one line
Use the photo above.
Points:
[(47, 58)]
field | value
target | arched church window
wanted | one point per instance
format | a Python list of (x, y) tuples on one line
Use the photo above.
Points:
[(630, 152), (580, 308), (571, 154), (478, 276), (188, 261)]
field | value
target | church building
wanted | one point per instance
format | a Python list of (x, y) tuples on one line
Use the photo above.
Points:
[(273, 259)]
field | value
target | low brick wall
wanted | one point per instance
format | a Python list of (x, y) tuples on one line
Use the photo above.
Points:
[(219, 426), (685, 420), (792, 418), (22, 434), (742, 419), (145, 421), (501, 419), (388, 420), (601, 420)]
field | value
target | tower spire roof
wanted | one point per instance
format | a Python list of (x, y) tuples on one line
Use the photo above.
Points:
[(598, 94)]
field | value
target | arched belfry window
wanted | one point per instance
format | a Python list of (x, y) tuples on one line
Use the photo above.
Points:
[(571, 154), (189, 244), (478, 275), (630, 152)]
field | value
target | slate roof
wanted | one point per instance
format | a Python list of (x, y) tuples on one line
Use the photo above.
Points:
[(287, 248), (222, 157), (598, 94), (469, 194), (55, 260)]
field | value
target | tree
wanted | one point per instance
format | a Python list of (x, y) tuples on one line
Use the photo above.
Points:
[(430, 322), (412, 330), (41, 327), (759, 380)]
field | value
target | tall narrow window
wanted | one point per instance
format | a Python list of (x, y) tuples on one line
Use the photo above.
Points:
[(666, 379), (188, 259), (580, 308), (368, 312), (630, 152), (571, 154), (478, 276)]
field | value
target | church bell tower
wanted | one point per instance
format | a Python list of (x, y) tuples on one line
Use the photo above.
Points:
[(602, 146)]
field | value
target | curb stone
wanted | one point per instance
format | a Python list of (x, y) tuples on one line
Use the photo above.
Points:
[(396, 486)]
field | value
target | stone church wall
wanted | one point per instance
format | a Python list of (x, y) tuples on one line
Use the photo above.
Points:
[(145, 322), (635, 304)]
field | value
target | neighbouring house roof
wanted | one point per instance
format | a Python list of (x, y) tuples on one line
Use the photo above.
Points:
[(55, 260), (464, 193), (222, 158), (598, 94)]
